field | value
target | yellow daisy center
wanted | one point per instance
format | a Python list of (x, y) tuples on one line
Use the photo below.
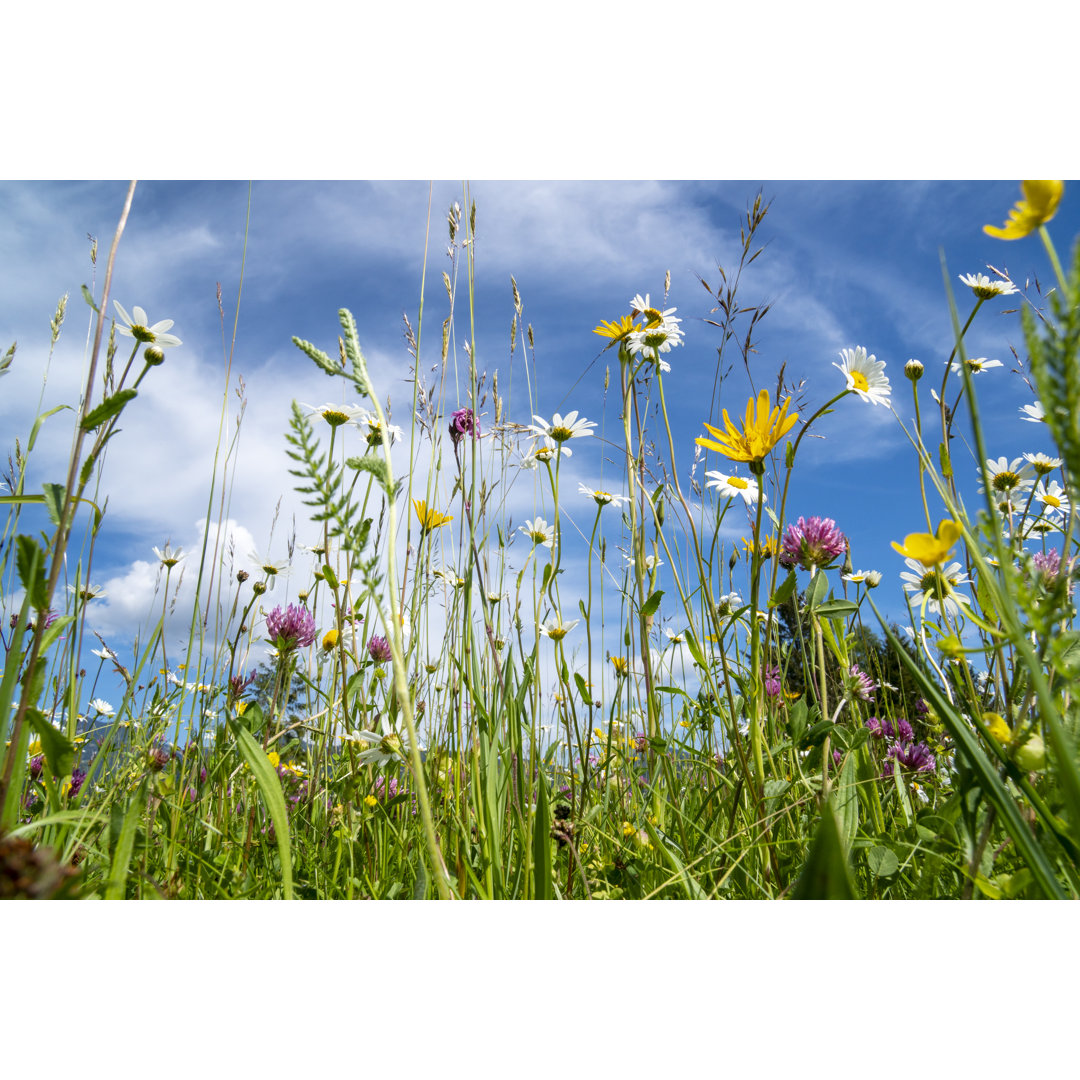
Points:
[(858, 381), (1052, 500), (738, 482), (561, 434), (334, 418)]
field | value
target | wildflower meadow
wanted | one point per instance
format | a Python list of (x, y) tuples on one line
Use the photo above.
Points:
[(502, 649)]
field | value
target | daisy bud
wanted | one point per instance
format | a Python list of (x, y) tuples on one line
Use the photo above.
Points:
[(154, 356), (913, 369), (242, 576), (258, 588)]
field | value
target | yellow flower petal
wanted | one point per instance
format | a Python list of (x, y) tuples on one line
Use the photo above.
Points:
[(1038, 206), (931, 550)]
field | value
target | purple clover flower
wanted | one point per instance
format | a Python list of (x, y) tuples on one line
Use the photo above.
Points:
[(36, 765), (910, 755), (379, 650), (773, 686), (78, 778), (290, 628), (462, 423), (858, 686), (813, 543), (881, 728)]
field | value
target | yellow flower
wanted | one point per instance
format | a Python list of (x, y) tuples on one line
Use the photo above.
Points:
[(931, 550), (429, 518), (766, 550), (620, 664), (274, 758), (370, 802), (241, 708), (329, 639), (616, 331), (628, 829), (1038, 206), (997, 727), (762, 430)]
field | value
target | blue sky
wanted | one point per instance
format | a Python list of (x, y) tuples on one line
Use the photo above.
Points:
[(846, 264)]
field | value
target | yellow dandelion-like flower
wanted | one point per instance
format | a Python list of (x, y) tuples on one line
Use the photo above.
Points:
[(1038, 206), (330, 639), (931, 550), (616, 330), (766, 550), (429, 517), (620, 664), (762, 429)]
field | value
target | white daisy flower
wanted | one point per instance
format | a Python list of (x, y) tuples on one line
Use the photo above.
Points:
[(336, 415), (139, 328), (102, 705), (653, 316), (976, 365), (985, 289), (1043, 463), (539, 532), (936, 587), (660, 333), (1033, 413), (865, 375), (88, 592), (727, 603), (546, 450), (1008, 478), (385, 748), (870, 578), (556, 629), (1053, 497), (271, 568), (373, 433), (652, 562), (730, 485), (169, 558), (602, 498), (562, 428)]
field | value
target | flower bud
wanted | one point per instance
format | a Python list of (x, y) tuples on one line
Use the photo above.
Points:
[(1031, 754), (913, 369), (154, 356), (258, 588)]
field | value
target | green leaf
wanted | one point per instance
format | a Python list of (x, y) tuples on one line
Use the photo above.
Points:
[(847, 801), (825, 874), (88, 296), (330, 576), (784, 590), (695, 649), (30, 560), (542, 885), (650, 605), (882, 861), (270, 789), (110, 407), (833, 608), (797, 720), (420, 886), (54, 501), (125, 845), (59, 752), (583, 687), (816, 591)]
